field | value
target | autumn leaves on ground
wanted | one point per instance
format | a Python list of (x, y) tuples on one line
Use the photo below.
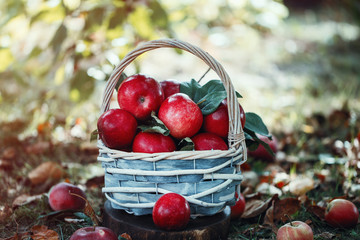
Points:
[(296, 186)]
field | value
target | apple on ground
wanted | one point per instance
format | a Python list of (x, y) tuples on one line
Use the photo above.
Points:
[(94, 233), (261, 152), (218, 121), (208, 141), (170, 87), (148, 142), (342, 213), (181, 115), (171, 212), (296, 230), (140, 95), (117, 128), (239, 207), (63, 196)]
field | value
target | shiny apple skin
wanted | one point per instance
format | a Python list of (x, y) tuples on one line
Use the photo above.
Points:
[(208, 141), (171, 212), (342, 213), (238, 209), (181, 116), (170, 87), (147, 142), (61, 199), (94, 233)]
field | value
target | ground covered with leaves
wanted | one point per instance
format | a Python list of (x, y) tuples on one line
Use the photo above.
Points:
[(302, 78)]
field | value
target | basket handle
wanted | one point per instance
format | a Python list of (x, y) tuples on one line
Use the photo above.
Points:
[(236, 134)]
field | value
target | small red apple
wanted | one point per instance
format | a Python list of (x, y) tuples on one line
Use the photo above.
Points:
[(181, 115), (117, 128), (239, 207), (209, 141), (171, 212), (147, 142), (296, 230), (342, 213), (140, 95), (261, 152), (358, 137), (218, 121), (94, 233), (60, 197), (170, 87)]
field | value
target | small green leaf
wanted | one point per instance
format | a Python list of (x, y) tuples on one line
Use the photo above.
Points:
[(253, 136), (83, 216), (192, 89), (94, 134), (186, 144), (122, 77), (255, 124), (155, 125), (210, 102)]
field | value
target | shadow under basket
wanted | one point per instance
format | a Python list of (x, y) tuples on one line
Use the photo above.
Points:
[(207, 179)]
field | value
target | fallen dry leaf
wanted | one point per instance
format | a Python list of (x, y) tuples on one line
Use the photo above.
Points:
[(317, 211), (125, 236), (281, 210), (326, 235), (301, 185), (88, 210), (38, 147), (25, 199), (45, 172), (255, 207), (43, 233), (9, 153), (5, 213)]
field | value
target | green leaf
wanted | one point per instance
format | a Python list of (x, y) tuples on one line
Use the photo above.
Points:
[(251, 134), (186, 144), (94, 134), (155, 125), (255, 124), (192, 89), (159, 16), (83, 216), (122, 77), (211, 101)]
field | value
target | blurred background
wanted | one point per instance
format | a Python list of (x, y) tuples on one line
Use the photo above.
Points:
[(289, 59)]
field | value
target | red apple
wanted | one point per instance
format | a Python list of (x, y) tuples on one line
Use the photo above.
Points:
[(170, 87), (171, 212), (94, 233), (342, 213), (60, 197), (208, 141), (181, 115), (261, 152), (239, 207), (296, 230), (117, 128), (147, 142), (140, 95), (218, 121)]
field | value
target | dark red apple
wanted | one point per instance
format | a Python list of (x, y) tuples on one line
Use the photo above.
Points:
[(94, 233), (170, 87), (171, 212), (147, 142), (209, 141), (218, 121), (66, 196), (117, 128), (181, 115), (261, 152), (342, 213), (140, 95), (239, 207), (296, 230)]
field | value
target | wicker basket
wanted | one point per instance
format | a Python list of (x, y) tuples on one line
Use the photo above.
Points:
[(207, 179)]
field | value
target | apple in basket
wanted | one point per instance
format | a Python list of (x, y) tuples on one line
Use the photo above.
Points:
[(218, 121), (181, 115), (261, 152), (170, 87), (94, 233), (117, 128), (148, 142), (208, 141), (171, 212), (140, 95)]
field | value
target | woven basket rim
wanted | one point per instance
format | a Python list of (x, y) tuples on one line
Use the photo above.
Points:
[(236, 138)]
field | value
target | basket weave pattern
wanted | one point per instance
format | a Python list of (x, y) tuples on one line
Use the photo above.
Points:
[(207, 179)]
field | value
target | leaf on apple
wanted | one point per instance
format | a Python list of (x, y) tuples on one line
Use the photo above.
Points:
[(186, 144), (122, 77), (155, 125), (208, 97), (94, 135)]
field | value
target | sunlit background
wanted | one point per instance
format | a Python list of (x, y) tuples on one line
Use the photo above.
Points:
[(288, 59)]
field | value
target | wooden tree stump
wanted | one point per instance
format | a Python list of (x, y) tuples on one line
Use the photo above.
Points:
[(142, 227)]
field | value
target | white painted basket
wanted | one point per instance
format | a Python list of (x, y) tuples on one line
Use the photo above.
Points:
[(207, 179)]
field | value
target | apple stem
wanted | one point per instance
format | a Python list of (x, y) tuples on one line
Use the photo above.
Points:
[(289, 219), (201, 101), (204, 75)]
